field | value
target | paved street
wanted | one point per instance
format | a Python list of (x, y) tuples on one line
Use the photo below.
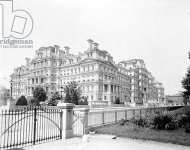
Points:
[(105, 142)]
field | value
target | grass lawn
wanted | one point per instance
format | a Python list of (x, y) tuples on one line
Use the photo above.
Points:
[(132, 131)]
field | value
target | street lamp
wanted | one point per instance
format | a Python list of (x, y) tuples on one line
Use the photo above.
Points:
[(11, 89), (61, 92), (19, 81)]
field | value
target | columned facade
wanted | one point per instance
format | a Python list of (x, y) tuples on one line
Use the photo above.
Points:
[(100, 79)]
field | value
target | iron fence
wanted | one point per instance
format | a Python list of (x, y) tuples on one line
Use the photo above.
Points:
[(101, 117), (29, 125)]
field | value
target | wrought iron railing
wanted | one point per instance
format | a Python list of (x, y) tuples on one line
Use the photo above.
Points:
[(29, 125)]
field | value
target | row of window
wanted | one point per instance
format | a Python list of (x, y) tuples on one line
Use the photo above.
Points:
[(63, 82), (77, 70), (40, 72), (41, 63), (37, 80)]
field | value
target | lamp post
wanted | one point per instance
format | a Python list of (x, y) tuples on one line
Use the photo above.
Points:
[(19, 82), (11, 89), (62, 93)]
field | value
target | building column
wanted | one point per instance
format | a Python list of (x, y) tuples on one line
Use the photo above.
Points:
[(109, 88)]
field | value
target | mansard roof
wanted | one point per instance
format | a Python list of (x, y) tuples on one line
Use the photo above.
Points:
[(131, 61)]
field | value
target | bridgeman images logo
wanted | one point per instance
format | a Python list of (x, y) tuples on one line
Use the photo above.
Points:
[(17, 25)]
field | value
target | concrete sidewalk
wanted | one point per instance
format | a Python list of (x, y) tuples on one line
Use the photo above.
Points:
[(105, 142)]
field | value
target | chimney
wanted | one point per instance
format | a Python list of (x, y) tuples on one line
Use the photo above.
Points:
[(67, 49), (57, 47), (90, 44), (95, 45), (27, 60)]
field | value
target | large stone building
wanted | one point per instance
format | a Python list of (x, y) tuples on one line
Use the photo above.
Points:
[(100, 79), (144, 88), (160, 91), (52, 68)]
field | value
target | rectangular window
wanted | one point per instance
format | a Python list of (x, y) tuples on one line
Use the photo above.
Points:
[(112, 88), (105, 87)]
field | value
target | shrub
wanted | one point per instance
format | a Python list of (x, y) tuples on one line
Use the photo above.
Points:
[(161, 122), (73, 93), (39, 95), (140, 122), (187, 128), (83, 101), (22, 101), (171, 125), (55, 97), (188, 116), (184, 119), (122, 122)]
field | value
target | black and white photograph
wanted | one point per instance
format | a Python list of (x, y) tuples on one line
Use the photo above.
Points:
[(95, 75)]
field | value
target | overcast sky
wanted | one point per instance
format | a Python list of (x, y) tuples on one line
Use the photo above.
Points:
[(157, 31)]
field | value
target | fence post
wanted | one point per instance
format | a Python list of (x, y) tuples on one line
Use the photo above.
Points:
[(35, 120), (102, 117), (133, 113), (125, 114), (67, 120), (61, 124)]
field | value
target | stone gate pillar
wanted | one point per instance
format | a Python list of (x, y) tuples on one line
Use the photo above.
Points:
[(67, 119)]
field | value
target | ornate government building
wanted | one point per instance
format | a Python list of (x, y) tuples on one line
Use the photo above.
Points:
[(100, 79), (144, 88)]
